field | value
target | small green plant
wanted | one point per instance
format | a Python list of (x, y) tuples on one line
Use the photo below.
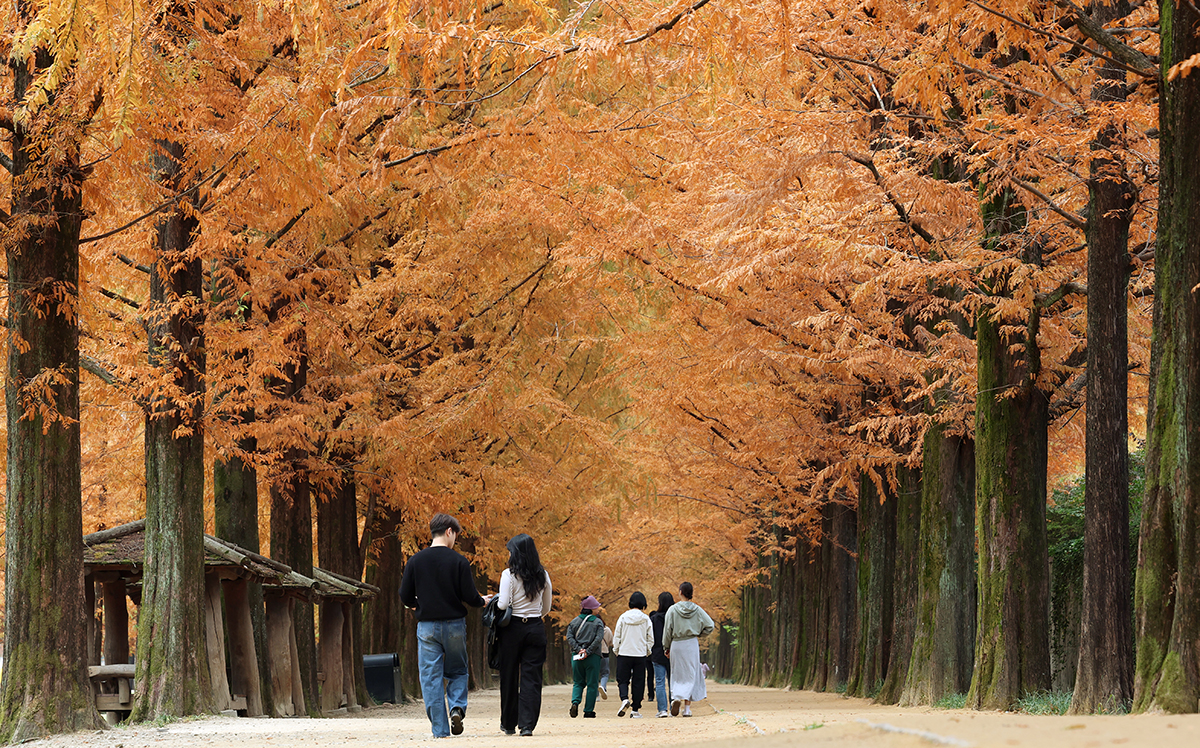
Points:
[(1045, 702), (874, 692), (814, 725), (842, 687), (951, 701)]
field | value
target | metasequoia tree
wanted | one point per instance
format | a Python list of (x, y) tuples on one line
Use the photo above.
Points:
[(45, 687), (1104, 677), (1167, 674)]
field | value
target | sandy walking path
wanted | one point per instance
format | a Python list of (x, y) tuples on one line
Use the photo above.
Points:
[(741, 715)]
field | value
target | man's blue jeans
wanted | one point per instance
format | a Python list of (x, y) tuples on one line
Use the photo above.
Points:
[(442, 654), (661, 676)]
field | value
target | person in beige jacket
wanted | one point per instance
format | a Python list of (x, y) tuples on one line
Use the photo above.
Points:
[(632, 642)]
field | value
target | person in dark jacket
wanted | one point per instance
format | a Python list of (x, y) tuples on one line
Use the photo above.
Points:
[(438, 582), (585, 633), (662, 665)]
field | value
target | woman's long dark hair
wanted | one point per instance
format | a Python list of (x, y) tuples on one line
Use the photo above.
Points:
[(525, 565), (665, 600)]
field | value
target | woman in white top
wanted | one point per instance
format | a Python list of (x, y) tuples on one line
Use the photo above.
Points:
[(525, 589)]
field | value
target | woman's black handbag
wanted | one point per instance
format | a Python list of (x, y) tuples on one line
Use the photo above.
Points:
[(494, 619)]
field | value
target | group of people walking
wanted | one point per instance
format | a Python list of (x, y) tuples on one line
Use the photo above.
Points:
[(438, 584), (665, 643)]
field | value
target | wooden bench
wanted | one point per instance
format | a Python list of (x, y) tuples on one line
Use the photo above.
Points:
[(122, 700)]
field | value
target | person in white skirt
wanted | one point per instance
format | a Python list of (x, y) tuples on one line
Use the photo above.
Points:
[(686, 622)]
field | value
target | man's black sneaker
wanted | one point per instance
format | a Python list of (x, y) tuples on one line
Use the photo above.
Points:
[(574, 709), (456, 718)]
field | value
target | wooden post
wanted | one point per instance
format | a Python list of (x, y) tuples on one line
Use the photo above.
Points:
[(116, 624), (331, 655), (348, 685), (89, 602), (280, 653), (214, 623), (297, 682), (243, 658)]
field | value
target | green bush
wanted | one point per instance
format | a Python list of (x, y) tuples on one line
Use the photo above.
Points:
[(1045, 702)]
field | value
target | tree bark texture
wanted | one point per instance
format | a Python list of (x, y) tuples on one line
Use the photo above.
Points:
[(771, 628), (876, 573), (45, 686), (338, 551), (291, 507), (173, 676), (1104, 676), (1167, 590), (1012, 648), (904, 585), (942, 658)]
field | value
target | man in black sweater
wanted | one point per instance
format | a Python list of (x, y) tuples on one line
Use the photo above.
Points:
[(438, 583)]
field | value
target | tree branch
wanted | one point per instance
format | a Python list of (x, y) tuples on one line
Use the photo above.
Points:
[(189, 191), (1136, 61), (89, 364), (118, 297), (664, 26), (905, 217), (1046, 300), (1067, 40), (1072, 218)]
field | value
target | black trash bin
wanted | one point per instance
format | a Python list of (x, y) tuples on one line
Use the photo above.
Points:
[(382, 672)]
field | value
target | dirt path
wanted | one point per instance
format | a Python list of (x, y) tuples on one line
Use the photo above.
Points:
[(768, 718)]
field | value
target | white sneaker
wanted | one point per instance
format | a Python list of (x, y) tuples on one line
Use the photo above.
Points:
[(603, 693), (624, 707), (635, 715), (687, 711), (664, 713)]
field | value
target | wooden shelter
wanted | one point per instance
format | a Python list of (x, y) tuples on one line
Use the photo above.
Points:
[(113, 559)]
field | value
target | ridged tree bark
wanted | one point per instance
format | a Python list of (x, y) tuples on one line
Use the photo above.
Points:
[(1012, 645), (291, 500), (45, 686), (338, 551), (1167, 591), (904, 586), (943, 654), (172, 667), (876, 572), (1104, 676)]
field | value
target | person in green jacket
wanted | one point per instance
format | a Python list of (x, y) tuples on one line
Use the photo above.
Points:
[(585, 632), (686, 622)]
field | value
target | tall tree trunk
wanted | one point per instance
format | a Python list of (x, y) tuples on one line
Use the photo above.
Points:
[(1167, 592), (904, 586), (338, 551), (944, 634), (235, 479), (388, 627), (1104, 677), (876, 572), (1012, 647), (45, 686), (172, 668), (291, 502)]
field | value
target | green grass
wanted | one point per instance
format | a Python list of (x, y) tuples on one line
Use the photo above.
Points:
[(814, 725), (952, 701), (1045, 702)]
